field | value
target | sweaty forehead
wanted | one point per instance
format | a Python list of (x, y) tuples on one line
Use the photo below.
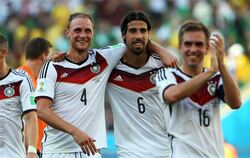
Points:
[(82, 22), (137, 23)]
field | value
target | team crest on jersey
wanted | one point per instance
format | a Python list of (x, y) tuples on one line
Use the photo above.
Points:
[(211, 88), (9, 91), (152, 78), (95, 68)]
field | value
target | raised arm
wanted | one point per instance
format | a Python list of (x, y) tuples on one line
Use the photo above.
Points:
[(230, 87), (168, 59), (176, 92)]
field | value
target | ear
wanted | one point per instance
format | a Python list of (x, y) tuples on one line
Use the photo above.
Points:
[(4, 52), (67, 33)]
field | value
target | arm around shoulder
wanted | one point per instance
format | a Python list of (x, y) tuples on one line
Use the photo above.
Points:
[(167, 58)]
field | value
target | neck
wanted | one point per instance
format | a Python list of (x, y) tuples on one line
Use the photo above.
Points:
[(4, 69), (192, 71), (77, 57), (35, 66), (135, 59)]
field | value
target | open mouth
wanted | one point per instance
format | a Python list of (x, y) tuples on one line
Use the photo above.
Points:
[(138, 44)]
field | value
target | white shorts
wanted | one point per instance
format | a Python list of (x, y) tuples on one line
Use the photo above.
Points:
[(70, 155)]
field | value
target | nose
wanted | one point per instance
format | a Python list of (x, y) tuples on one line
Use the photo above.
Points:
[(138, 35), (193, 48), (83, 34)]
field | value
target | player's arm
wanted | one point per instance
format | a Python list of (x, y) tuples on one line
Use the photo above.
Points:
[(52, 119), (173, 93), (177, 92), (31, 132), (56, 56), (230, 87), (167, 58)]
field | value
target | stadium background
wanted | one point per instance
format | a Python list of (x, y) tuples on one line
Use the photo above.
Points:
[(21, 20)]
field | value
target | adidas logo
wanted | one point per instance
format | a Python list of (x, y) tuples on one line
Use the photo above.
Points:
[(64, 75), (118, 78)]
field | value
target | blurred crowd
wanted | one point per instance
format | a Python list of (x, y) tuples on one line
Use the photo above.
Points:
[(21, 20)]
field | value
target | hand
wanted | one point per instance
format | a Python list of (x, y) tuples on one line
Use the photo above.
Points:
[(85, 142), (214, 61), (31, 155), (168, 59), (218, 44), (57, 56)]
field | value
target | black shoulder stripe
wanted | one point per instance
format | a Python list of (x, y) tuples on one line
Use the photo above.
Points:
[(30, 84), (15, 72), (44, 69), (18, 73), (159, 74), (21, 71), (26, 77), (22, 74), (162, 74)]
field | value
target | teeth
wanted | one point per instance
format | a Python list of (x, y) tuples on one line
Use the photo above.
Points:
[(82, 41), (138, 43)]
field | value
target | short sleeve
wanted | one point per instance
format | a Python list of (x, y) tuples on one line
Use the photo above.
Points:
[(46, 81), (27, 95), (164, 79)]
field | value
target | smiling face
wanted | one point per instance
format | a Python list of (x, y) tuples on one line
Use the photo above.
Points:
[(136, 36), (80, 34), (193, 48)]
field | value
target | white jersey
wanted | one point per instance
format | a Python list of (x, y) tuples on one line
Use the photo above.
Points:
[(77, 92), (16, 99), (139, 124), (194, 122)]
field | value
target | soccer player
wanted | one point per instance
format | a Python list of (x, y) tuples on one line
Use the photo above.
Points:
[(193, 94), (36, 52), (70, 94), (139, 124), (16, 102)]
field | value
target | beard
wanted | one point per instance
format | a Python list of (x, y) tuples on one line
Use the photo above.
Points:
[(136, 50)]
